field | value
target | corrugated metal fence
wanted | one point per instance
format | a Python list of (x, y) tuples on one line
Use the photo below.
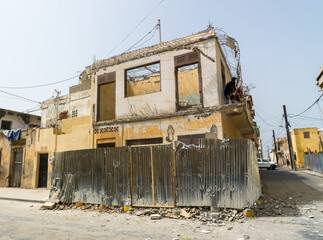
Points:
[(216, 173), (314, 161)]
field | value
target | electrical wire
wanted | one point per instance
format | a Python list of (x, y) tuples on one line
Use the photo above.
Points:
[(156, 27), (309, 106), (264, 120), (127, 36), (19, 97), (43, 85)]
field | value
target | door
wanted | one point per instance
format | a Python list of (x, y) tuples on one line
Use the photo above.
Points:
[(16, 168), (43, 170)]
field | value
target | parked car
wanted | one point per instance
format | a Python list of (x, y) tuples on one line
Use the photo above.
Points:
[(264, 163)]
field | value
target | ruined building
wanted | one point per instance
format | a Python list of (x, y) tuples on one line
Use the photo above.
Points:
[(170, 91)]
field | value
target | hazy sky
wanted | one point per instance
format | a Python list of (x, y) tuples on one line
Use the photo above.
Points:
[(281, 46)]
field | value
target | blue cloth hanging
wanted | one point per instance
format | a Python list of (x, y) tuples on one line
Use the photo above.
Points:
[(14, 134)]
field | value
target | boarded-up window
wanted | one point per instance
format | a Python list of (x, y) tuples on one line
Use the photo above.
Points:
[(143, 80), (188, 80), (145, 141), (106, 96)]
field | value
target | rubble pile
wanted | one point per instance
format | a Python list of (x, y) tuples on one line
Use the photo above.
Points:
[(197, 213), (276, 207)]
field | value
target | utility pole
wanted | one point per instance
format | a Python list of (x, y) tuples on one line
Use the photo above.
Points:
[(57, 95), (159, 31), (275, 146), (289, 139)]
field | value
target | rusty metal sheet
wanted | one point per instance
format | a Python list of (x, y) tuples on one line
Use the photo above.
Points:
[(141, 176), (163, 175), (98, 176)]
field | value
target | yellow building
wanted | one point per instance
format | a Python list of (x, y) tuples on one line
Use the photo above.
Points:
[(302, 140)]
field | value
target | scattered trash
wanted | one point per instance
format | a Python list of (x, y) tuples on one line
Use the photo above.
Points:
[(205, 231), (229, 228), (311, 216)]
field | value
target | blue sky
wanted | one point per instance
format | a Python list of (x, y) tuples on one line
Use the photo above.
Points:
[(280, 41)]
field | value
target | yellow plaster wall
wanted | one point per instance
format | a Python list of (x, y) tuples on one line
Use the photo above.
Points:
[(228, 128), (5, 161), (143, 87), (300, 144)]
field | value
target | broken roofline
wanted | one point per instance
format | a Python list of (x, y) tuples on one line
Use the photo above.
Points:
[(155, 49)]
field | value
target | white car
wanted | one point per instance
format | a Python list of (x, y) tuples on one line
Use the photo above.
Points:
[(263, 163)]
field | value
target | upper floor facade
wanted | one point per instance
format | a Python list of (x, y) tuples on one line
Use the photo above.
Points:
[(165, 80)]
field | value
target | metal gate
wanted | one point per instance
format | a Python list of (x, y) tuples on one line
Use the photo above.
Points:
[(16, 168), (152, 176)]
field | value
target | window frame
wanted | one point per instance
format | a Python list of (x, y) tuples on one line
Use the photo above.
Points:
[(10, 123), (306, 134), (139, 66), (188, 61)]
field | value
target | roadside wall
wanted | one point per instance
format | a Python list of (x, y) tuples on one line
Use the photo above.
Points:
[(314, 161)]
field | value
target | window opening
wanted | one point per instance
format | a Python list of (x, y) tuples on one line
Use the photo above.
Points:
[(6, 125), (143, 80), (188, 85)]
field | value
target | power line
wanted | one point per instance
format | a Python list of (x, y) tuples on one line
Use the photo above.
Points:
[(156, 27), (20, 97), (126, 37), (43, 85), (264, 120), (309, 106)]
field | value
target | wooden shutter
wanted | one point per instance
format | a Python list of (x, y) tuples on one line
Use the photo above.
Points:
[(187, 58), (107, 78)]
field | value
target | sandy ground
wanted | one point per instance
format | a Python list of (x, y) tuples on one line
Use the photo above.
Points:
[(21, 220)]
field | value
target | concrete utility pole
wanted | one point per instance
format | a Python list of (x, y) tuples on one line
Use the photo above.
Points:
[(275, 146), (159, 31), (289, 139)]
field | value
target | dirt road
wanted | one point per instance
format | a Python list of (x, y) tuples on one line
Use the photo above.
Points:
[(300, 218)]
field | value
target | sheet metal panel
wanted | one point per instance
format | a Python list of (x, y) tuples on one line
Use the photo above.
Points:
[(217, 173), (163, 175), (314, 161), (141, 176), (99, 176)]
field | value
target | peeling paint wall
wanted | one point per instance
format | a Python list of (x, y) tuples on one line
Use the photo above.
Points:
[(182, 125)]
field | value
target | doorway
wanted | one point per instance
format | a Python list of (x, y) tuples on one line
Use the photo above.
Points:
[(16, 168), (43, 171)]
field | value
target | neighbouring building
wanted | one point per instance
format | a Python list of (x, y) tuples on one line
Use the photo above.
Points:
[(282, 150), (170, 91), (15, 155), (304, 140)]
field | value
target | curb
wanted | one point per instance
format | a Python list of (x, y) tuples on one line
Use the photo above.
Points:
[(311, 173), (22, 200)]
